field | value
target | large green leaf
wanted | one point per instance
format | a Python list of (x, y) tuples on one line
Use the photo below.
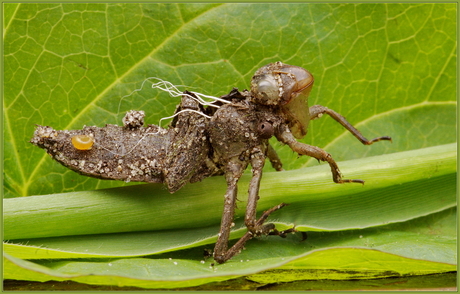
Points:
[(317, 204), (69, 65), (369, 253), (389, 68), (36, 219), (357, 254)]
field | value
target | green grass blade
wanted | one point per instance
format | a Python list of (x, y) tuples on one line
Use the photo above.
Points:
[(399, 187)]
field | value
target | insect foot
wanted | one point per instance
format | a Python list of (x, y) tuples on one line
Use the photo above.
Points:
[(221, 137)]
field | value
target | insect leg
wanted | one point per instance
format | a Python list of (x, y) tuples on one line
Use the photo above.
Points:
[(233, 172), (286, 137), (257, 164), (238, 246), (316, 111), (255, 226), (274, 158)]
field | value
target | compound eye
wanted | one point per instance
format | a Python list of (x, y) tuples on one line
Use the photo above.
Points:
[(265, 130), (83, 142), (265, 89), (296, 81)]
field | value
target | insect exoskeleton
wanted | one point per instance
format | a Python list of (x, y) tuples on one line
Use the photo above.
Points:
[(83, 142), (288, 87), (278, 83)]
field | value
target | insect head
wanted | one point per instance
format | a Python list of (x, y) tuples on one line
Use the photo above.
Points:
[(287, 86)]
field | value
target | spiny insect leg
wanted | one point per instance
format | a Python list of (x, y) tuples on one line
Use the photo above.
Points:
[(286, 137), (316, 111)]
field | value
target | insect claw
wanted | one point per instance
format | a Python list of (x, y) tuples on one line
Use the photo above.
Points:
[(387, 138), (384, 138), (304, 236), (358, 181), (283, 234), (341, 181)]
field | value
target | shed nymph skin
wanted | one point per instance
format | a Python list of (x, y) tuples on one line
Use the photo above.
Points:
[(204, 141)]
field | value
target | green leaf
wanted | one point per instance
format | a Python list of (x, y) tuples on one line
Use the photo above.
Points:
[(70, 65), (410, 179), (389, 68), (430, 240), (352, 254)]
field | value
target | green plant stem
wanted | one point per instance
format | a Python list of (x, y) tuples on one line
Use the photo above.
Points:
[(417, 182)]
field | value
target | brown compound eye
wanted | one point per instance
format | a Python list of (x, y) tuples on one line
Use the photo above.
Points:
[(265, 130), (82, 142)]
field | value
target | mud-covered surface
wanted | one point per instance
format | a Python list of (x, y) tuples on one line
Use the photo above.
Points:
[(136, 153)]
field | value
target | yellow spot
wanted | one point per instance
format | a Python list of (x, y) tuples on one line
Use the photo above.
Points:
[(82, 142)]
